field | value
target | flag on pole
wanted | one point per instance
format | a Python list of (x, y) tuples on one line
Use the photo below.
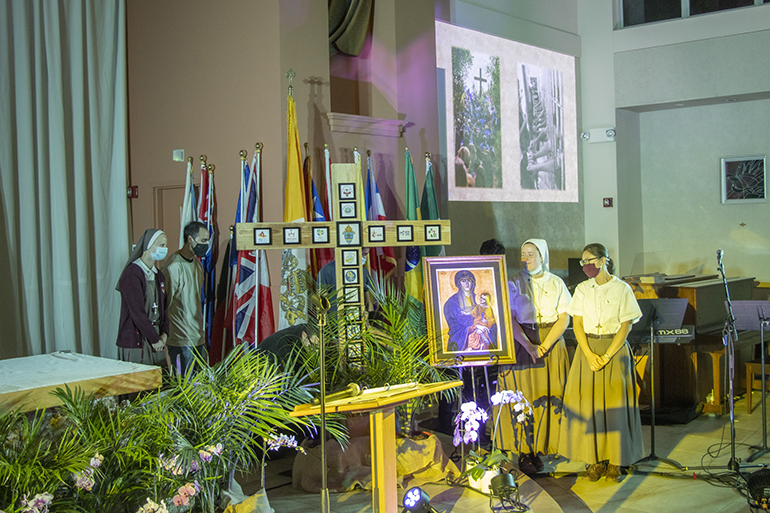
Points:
[(245, 277), (315, 212), (294, 307), (207, 214), (429, 206), (382, 260), (265, 317), (328, 184), (413, 266), (188, 214)]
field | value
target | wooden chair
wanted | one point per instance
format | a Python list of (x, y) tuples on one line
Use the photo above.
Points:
[(754, 378)]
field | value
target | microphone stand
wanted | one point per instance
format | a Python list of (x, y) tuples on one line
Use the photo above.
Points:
[(323, 307), (729, 338)]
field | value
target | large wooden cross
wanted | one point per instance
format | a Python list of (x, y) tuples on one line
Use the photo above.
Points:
[(348, 234)]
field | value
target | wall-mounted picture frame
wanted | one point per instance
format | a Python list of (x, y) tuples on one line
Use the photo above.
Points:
[(469, 316), (743, 179)]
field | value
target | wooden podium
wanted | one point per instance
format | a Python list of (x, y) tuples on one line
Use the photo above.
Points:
[(381, 404)]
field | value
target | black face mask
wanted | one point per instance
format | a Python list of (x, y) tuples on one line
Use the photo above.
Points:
[(200, 250)]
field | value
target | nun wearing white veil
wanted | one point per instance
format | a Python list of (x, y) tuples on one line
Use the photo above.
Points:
[(539, 301)]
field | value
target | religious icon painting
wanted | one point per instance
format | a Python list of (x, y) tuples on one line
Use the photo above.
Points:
[(350, 277), (347, 191), (349, 257), (352, 295), (292, 235), (376, 233), (468, 311), (320, 235), (263, 237), (432, 232), (349, 234), (405, 233), (348, 210)]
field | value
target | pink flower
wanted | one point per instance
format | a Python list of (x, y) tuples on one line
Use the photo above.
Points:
[(205, 455), (178, 500), (186, 490)]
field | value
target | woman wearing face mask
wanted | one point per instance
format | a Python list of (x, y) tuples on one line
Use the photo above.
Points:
[(539, 301), (143, 327), (602, 424)]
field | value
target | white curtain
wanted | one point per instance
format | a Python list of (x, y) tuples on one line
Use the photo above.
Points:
[(63, 174)]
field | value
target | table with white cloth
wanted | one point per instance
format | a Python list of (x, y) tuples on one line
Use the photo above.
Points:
[(26, 383)]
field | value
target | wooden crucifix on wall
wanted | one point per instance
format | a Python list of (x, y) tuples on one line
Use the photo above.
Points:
[(349, 234)]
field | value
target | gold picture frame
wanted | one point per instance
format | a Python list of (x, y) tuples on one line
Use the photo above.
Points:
[(468, 310)]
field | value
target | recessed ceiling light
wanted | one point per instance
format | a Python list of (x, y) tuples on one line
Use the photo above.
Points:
[(731, 100), (679, 105)]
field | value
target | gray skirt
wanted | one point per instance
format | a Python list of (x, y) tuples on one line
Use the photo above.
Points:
[(542, 383), (601, 409)]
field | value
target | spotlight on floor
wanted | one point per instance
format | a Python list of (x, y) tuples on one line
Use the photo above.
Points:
[(417, 501), (505, 489), (758, 484)]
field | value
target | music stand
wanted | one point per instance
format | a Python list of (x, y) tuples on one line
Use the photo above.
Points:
[(755, 315), (658, 314)]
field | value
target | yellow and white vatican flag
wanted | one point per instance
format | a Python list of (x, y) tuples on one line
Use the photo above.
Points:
[(294, 264)]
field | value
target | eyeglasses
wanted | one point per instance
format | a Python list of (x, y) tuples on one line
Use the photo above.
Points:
[(584, 262)]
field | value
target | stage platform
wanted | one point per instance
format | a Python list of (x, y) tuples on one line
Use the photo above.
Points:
[(560, 489), (26, 383)]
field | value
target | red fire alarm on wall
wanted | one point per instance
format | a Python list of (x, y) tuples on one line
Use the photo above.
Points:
[(607, 202)]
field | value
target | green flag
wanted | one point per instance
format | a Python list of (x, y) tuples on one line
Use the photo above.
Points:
[(413, 265), (429, 207)]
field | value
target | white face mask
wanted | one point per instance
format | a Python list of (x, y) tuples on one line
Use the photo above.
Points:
[(159, 253)]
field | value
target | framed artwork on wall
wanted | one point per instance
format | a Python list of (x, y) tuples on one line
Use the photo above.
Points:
[(743, 179), (469, 318)]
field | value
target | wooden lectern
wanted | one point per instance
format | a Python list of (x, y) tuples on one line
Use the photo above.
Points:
[(381, 404)]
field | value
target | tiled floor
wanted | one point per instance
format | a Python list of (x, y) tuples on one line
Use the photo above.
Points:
[(654, 487)]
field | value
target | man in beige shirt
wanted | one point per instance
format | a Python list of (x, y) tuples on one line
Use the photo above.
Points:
[(184, 279)]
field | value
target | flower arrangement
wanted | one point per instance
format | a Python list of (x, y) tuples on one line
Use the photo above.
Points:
[(169, 451), (470, 419), (276, 442)]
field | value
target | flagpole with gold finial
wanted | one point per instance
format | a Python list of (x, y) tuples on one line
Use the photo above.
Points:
[(290, 75), (328, 180), (258, 178)]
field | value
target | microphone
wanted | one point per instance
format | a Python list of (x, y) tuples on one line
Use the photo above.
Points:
[(352, 390), (320, 302), (719, 256)]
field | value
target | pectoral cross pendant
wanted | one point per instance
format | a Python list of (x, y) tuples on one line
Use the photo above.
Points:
[(599, 326), (539, 318)]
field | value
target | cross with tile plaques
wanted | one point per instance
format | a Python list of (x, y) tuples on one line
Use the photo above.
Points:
[(348, 234)]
